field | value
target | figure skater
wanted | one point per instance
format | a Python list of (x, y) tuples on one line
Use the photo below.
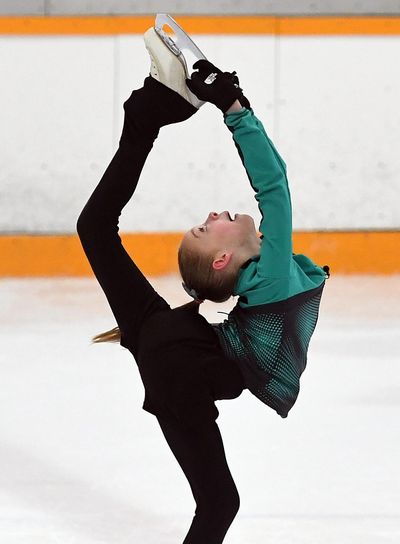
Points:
[(180, 361), (179, 355)]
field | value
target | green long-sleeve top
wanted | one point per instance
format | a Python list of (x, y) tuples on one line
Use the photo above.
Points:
[(276, 274), (269, 330)]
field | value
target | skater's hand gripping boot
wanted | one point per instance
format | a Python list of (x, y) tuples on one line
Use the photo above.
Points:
[(212, 85)]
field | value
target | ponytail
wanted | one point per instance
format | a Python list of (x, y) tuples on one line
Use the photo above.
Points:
[(113, 335)]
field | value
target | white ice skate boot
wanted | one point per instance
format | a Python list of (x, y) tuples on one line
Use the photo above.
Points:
[(172, 56)]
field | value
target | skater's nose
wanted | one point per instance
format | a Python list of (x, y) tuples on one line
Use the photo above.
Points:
[(212, 216)]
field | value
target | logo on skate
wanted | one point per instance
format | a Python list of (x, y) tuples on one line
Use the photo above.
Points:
[(211, 78)]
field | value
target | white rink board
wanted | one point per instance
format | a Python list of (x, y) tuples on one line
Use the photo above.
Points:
[(329, 103), (56, 129), (339, 127)]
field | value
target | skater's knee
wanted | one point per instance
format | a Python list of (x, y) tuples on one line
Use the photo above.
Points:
[(230, 506), (222, 506)]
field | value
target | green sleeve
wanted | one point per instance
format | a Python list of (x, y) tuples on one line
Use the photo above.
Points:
[(267, 174)]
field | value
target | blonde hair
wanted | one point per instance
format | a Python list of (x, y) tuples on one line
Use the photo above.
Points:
[(197, 272), (113, 335)]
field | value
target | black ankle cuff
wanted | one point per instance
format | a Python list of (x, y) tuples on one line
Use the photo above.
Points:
[(157, 105)]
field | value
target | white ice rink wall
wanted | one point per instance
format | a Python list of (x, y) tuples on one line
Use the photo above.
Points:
[(329, 102)]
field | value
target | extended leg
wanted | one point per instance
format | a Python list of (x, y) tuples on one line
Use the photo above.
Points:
[(129, 294)]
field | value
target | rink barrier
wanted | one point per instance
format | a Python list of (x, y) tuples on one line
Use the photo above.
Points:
[(155, 253), (358, 252), (202, 24)]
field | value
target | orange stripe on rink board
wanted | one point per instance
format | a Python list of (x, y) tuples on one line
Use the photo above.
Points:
[(204, 24), (78, 25), (24, 256), (352, 252), (107, 25), (155, 253), (338, 26)]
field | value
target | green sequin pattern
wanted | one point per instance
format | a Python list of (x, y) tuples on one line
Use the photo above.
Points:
[(269, 343)]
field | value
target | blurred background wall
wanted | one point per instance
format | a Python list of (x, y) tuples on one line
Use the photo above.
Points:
[(317, 7), (322, 76)]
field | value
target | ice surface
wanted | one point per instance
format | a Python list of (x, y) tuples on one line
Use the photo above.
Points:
[(81, 463)]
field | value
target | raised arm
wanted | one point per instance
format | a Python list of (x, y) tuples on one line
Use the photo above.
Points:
[(265, 168), (267, 174)]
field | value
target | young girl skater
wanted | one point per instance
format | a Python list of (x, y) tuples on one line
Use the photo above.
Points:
[(178, 354), (268, 332)]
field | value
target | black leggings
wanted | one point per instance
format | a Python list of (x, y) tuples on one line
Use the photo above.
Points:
[(200, 453), (199, 450)]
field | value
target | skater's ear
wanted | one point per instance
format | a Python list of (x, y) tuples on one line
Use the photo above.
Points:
[(221, 260)]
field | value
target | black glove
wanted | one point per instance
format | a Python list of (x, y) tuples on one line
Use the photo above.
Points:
[(210, 84)]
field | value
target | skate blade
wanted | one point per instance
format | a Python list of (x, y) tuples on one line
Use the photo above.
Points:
[(178, 42)]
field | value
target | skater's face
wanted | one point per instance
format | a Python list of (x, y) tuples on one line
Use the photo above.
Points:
[(220, 232)]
